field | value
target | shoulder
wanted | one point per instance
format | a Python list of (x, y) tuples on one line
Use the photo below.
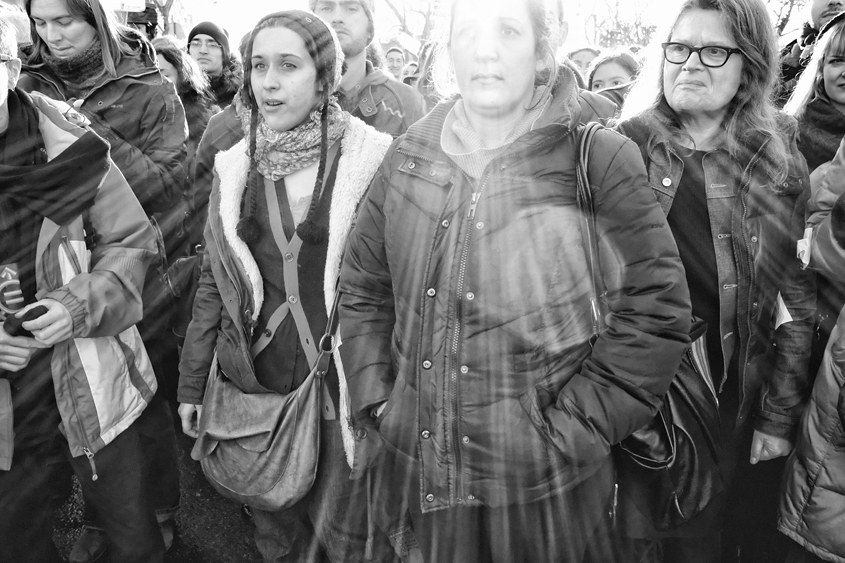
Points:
[(401, 93), (595, 107)]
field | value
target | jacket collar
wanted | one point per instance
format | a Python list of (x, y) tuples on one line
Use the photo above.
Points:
[(423, 137)]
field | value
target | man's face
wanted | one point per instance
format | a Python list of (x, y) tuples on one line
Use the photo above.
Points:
[(822, 10), (9, 71), (208, 53), (349, 20), (395, 64)]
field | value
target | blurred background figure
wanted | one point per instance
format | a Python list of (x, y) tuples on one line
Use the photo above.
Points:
[(612, 69), (583, 56), (725, 167), (208, 44), (146, 22), (395, 58)]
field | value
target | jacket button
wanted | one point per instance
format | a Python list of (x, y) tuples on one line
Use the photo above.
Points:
[(365, 100), (465, 439), (445, 223), (504, 167), (432, 173), (429, 497), (464, 369), (289, 257), (426, 364), (268, 333), (425, 434), (431, 292), (754, 239), (667, 182), (470, 296), (479, 225), (293, 299), (470, 497), (754, 304), (412, 165), (361, 433)]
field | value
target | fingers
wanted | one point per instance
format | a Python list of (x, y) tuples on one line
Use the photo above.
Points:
[(187, 414), (756, 448), (54, 326)]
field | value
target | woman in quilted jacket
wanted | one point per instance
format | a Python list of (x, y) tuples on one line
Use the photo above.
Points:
[(478, 401)]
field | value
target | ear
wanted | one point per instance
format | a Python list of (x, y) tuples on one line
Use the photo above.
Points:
[(563, 34), (14, 71)]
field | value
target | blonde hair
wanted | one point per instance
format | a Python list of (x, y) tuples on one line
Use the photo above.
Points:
[(810, 85)]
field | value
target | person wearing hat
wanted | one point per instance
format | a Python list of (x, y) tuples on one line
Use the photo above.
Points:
[(282, 204), (368, 93), (208, 44), (395, 62), (146, 21)]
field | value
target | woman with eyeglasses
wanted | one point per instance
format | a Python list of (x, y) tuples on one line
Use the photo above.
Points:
[(726, 170)]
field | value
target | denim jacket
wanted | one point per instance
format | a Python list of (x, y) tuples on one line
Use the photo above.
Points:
[(766, 300)]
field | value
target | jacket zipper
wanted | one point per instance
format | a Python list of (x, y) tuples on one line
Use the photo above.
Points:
[(86, 447)]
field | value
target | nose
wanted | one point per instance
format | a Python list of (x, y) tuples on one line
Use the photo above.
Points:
[(693, 62), (486, 47), (270, 81), (203, 47), (52, 35)]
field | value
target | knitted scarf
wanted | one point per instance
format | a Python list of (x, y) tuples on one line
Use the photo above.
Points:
[(78, 73), (821, 129), (280, 153)]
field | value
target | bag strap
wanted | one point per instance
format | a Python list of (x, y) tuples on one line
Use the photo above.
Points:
[(584, 198)]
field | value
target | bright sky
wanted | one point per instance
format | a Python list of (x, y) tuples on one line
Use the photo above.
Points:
[(239, 16)]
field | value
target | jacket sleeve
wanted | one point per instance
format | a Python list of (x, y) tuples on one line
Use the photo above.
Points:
[(107, 300), (154, 165), (367, 305), (826, 256), (201, 337), (786, 389), (633, 361)]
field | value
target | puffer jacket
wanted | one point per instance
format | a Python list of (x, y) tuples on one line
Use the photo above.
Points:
[(767, 299), (231, 288), (466, 308), (100, 389), (812, 504), (139, 113)]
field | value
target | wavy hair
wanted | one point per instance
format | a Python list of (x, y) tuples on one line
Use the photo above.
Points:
[(751, 112), (545, 26), (118, 40), (810, 86), (192, 80)]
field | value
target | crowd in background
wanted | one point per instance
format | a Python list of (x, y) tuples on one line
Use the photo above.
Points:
[(479, 303)]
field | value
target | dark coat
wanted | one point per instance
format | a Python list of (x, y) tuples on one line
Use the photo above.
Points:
[(471, 320), (139, 113), (761, 271)]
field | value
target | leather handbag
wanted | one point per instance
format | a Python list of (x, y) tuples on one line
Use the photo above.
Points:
[(261, 449), (668, 470)]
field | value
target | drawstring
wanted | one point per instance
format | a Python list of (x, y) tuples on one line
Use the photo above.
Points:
[(371, 532)]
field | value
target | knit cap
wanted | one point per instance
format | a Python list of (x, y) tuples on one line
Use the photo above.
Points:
[(215, 32)]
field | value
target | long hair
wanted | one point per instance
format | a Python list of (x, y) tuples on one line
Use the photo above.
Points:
[(544, 25), (752, 111), (192, 80), (118, 40), (811, 83), (322, 47)]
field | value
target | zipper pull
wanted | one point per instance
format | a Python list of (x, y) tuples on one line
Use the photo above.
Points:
[(475, 197), (90, 457)]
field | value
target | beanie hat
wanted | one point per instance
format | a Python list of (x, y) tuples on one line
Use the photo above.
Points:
[(215, 32), (369, 8)]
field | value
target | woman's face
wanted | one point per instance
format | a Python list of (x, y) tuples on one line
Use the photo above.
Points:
[(168, 70), (610, 74), (65, 35), (283, 79), (692, 89), (834, 80), (492, 49)]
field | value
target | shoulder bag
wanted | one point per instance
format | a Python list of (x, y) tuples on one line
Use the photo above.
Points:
[(261, 449), (668, 470)]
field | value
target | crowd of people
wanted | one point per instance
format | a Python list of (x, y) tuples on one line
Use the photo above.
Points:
[(487, 304)]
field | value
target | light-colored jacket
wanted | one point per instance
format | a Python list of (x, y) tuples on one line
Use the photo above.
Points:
[(101, 379)]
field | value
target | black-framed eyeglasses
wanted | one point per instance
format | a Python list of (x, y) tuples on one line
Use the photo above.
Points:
[(712, 56)]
